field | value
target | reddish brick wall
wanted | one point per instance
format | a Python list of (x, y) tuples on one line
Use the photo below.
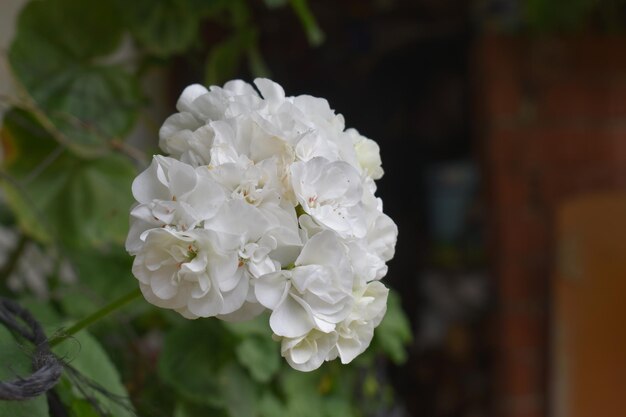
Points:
[(552, 123)]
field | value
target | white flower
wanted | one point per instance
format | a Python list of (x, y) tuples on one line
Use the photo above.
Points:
[(171, 193), (172, 271), (330, 192), (349, 339), (306, 353), (316, 293), (265, 202), (355, 333), (367, 153)]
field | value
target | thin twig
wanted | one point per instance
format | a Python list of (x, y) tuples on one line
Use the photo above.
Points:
[(104, 311)]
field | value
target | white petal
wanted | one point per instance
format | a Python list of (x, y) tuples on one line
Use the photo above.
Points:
[(189, 95), (290, 319), (146, 187), (271, 289), (207, 306), (269, 89), (233, 300)]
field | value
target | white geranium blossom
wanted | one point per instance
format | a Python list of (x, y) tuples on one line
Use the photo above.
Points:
[(308, 352), (171, 193), (355, 333), (265, 202), (367, 153), (330, 192), (316, 293)]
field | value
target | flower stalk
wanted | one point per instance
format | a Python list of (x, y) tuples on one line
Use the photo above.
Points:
[(94, 317)]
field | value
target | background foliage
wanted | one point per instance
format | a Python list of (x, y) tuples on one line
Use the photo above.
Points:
[(66, 174)]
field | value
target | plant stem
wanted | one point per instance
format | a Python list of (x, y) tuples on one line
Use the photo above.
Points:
[(92, 318)]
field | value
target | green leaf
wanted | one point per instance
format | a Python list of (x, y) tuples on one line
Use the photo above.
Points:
[(85, 354), (206, 8), (313, 32), (257, 326), (193, 356), (14, 363), (302, 392), (256, 63), (184, 409), (104, 275), (57, 196), (271, 406), (260, 355), (163, 27), (77, 28), (558, 15), (88, 103), (83, 408), (238, 392), (394, 332), (224, 60), (323, 393), (274, 4)]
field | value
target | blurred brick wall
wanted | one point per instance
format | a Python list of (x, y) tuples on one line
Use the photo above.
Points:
[(552, 124)]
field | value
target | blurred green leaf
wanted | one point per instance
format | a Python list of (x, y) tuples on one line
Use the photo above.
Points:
[(163, 27), (256, 326), (76, 28), (57, 196), (558, 15), (206, 8), (184, 409), (270, 405), (313, 32), (314, 394), (274, 4), (240, 14), (54, 56), (258, 66), (260, 355), (225, 58), (192, 358), (85, 354), (83, 408), (15, 363), (238, 392), (394, 332), (302, 393), (104, 274)]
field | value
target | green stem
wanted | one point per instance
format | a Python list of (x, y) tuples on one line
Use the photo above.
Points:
[(92, 318)]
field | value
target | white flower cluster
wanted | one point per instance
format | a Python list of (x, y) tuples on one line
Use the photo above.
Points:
[(265, 202)]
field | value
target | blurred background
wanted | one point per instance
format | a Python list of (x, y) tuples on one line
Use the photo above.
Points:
[(502, 128)]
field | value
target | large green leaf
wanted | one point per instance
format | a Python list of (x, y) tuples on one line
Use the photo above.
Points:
[(184, 409), (104, 275), (192, 359), (14, 363), (260, 355), (58, 196), (315, 394), (86, 355), (238, 392), (394, 332), (54, 56), (164, 27), (256, 351), (270, 405)]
